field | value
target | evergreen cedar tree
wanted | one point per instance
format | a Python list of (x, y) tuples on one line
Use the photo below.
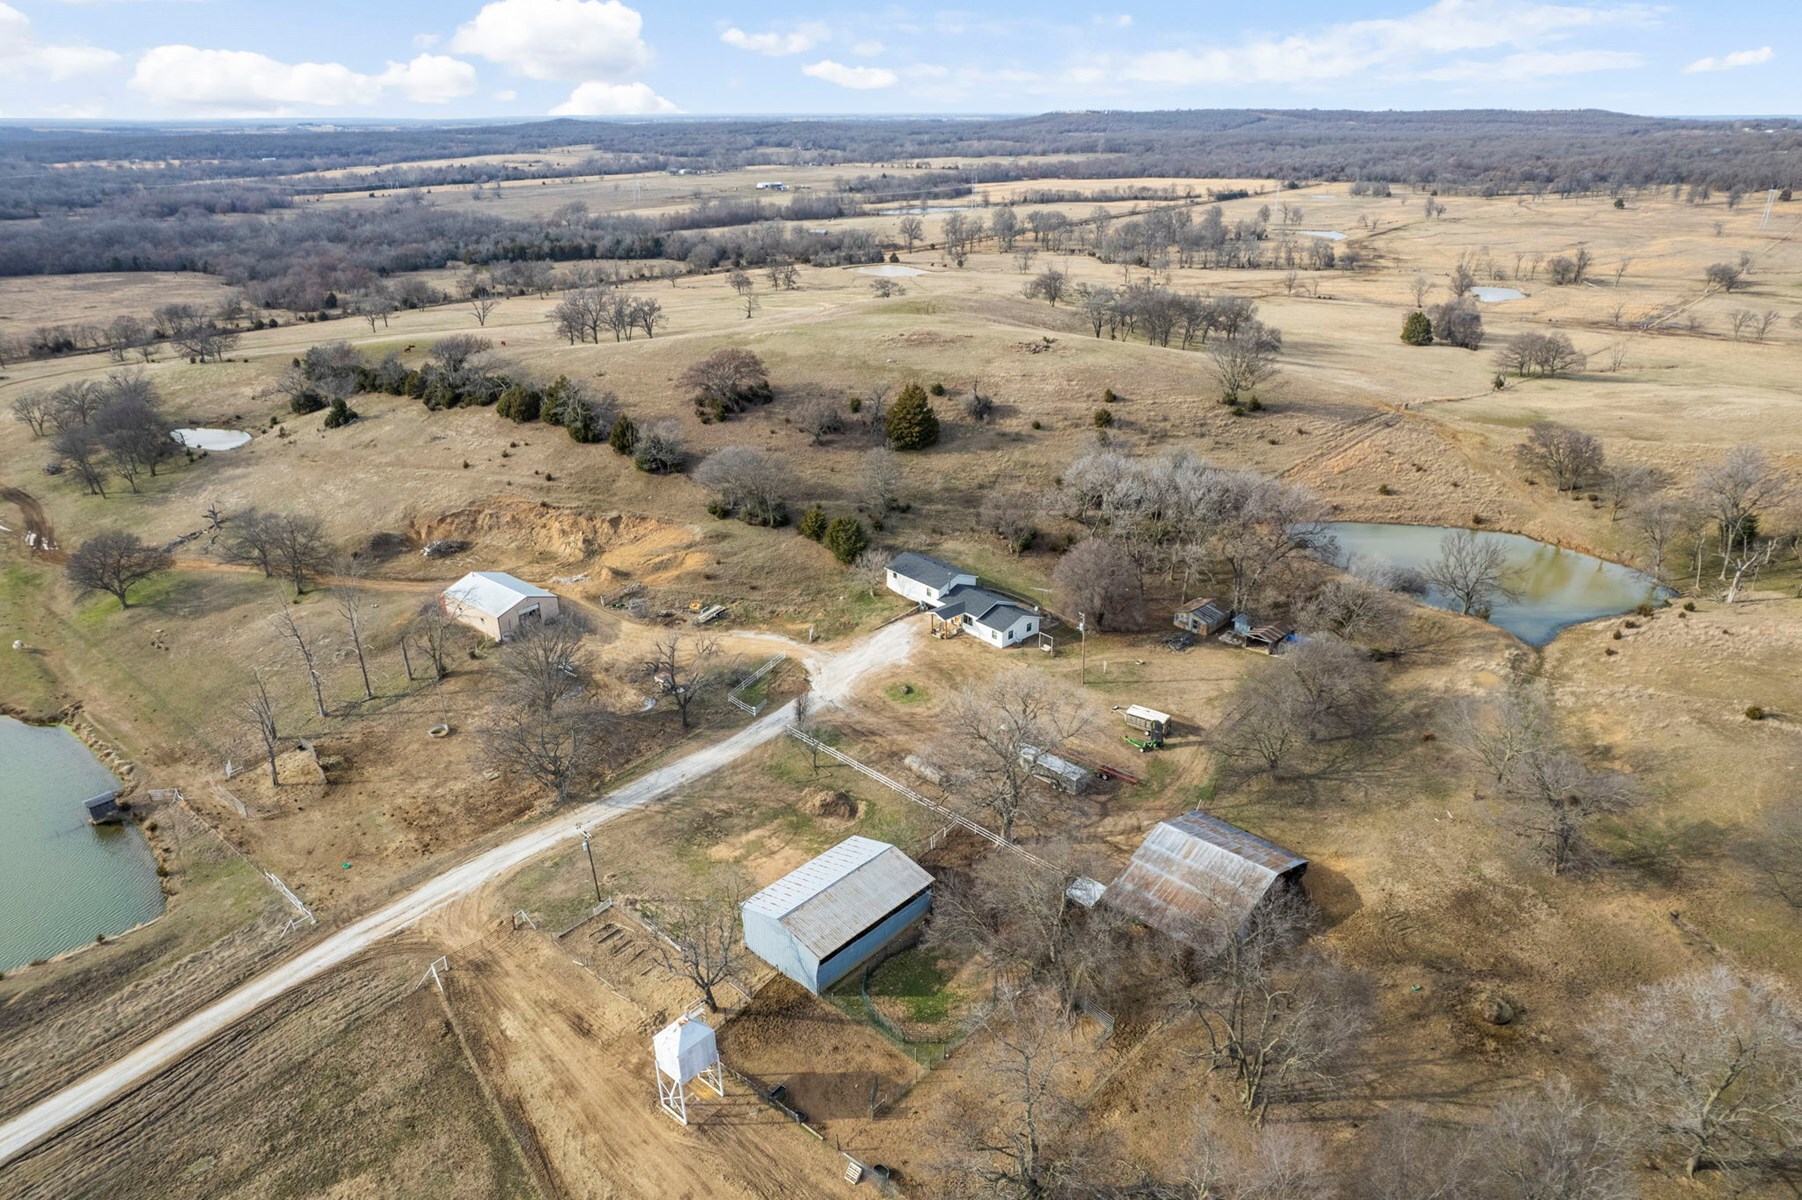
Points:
[(813, 525), (623, 437), (1417, 330), (846, 538), (912, 425)]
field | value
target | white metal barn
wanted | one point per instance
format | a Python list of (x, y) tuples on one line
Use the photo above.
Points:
[(1199, 879), (827, 917), (496, 603)]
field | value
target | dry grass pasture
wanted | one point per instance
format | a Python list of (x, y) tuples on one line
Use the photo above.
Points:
[(532, 1076)]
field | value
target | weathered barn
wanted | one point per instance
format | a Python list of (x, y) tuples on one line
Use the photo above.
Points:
[(496, 603), (1199, 879), (829, 915), (1204, 617)]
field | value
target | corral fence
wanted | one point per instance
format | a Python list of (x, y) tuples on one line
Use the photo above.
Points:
[(734, 698), (955, 818)]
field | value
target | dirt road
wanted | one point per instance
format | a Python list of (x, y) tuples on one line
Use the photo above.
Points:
[(38, 533), (833, 679)]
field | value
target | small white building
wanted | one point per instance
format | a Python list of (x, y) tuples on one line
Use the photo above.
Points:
[(685, 1051), (496, 603), (924, 579)]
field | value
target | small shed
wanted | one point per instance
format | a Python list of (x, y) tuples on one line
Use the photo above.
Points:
[(924, 579), (1268, 637), (497, 604), (831, 914), (1204, 617), (104, 809), (1199, 879), (1147, 720), (1060, 773)]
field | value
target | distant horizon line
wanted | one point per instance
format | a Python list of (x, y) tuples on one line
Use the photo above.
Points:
[(673, 118)]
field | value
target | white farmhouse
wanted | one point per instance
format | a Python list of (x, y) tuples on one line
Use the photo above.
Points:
[(958, 605), (925, 580), (496, 603)]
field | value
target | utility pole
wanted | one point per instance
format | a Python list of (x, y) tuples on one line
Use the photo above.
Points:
[(1082, 627), (588, 849)]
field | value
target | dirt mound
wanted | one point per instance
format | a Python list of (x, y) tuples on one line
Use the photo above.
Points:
[(562, 533), (823, 802)]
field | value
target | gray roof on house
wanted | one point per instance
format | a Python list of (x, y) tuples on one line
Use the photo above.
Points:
[(1198, 879), (921, 568), (829, 900), (985, 608)]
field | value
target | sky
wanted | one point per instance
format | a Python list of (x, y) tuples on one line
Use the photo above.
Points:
[(207, 59)]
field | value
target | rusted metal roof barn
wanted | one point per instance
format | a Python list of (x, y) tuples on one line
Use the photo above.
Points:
[(830, 914), (1198, 879)]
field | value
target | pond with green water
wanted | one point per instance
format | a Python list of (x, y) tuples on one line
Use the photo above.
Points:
[(1553, 588), (62, 881)]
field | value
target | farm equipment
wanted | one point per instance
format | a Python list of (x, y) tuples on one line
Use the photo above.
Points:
[(1144, 744), (1150, 725)]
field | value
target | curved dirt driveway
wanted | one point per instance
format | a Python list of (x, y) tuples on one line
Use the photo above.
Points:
[(833, 679)]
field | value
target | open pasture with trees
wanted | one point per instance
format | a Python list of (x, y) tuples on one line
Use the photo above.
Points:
[(1104, 394)]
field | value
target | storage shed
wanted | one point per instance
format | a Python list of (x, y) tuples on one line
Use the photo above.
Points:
[(829, 915), (1204, 617), (1060, 773), (496, 603), (1199, 879)]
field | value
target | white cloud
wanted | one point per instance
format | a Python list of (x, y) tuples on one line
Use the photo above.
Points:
[(868, 49), (1117, 20), (862, 78), (799, 40), (557, 39), (613, 100), (22, 53), (1399, 46), (1727, 62), (425, 41), (241, 82), (1525, 68), (430, 79), (506, 95)]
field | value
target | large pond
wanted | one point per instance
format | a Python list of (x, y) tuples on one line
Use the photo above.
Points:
[(62, 880), (1554, 588)]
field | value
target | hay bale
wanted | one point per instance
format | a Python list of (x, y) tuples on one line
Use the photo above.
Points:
[(823, 802)]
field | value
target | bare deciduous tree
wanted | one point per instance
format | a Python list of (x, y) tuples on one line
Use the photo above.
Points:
[(1310, 708), (1420, 287), (680, 667), (879, 480), (912, 230), (1100, 581), (285, 626), (1006, 1140), (1245, 360), (114, 562), (1011, 513), (1570, 457), (1001, 728), (1708, 1066), (701, 940), (1470, 570), (558, 749), (539, 666), (1276, 1013), (350, 607), (258, 712)]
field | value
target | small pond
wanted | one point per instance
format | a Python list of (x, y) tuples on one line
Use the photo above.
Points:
[(62, 880), (1496, 295), (211, 439), (1555, 588), (1331, 235), (917, 211), (891, 270)]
